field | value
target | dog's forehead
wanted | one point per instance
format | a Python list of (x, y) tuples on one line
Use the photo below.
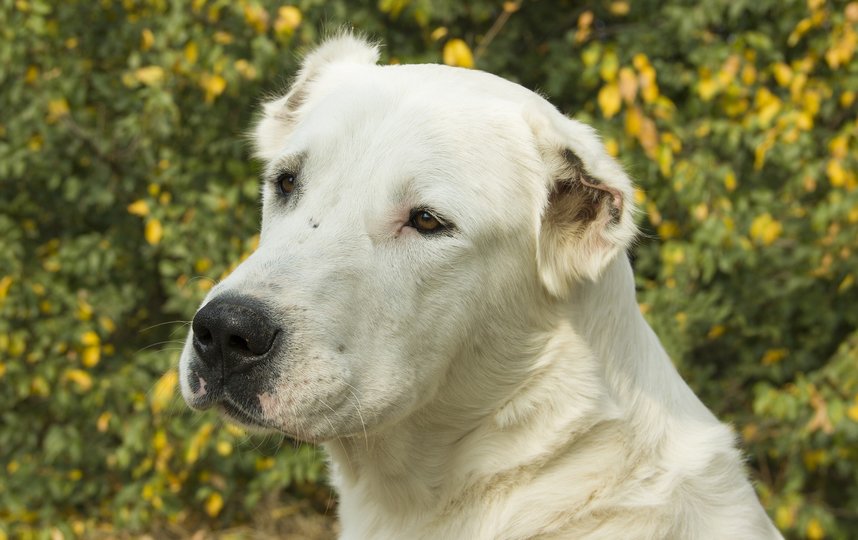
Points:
[(422, 124)]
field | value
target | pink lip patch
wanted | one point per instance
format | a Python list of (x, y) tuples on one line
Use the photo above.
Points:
[(202, 390)]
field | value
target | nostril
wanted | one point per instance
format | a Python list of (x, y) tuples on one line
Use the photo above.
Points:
[(239, 344), (204, 336)]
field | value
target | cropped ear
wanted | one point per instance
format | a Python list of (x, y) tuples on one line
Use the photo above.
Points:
[(588, 214), (280, 114)]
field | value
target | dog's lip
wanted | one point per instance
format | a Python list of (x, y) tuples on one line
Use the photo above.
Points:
[(235, 411)]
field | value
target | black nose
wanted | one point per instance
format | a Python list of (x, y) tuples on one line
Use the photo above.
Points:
[(233, 334)]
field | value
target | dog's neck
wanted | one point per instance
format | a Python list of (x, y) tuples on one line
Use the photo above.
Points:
[(608, 370)]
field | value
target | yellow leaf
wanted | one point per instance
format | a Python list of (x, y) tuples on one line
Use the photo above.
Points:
[(159, 441), (749, 75), (804, 121), (214, 504), (214, 85), (585, 20), (84, 310), (765, 229), (591, 55), (103, 421), (150, 75), (665, 160), (716, 331), (839, 146), (57, 108), (640, 61), (634, 121), (81, 378), (107, 323), (138, 208), (619, 8), (800, 29), (90, 338), (847, 282), (223, 38), (264, 463), (90, 356), (457, 53), (730, 181), (224, 448), (34, 143), (609, 99), (648, 136), (163, 391), (783, 74), (256, 17), (773, 356), (836, 173), (5, 284), (814, 530), (649, 88), (192, 52), (768, 111), (203, 265), (668, 230), (147, 39), (31, 75), (851, 12), (153, 232), (39, 387), (288, 19), (234, 430), (729, 70), (245, 69), (707, 88), (628, 85), (612, 147), (852, 412), (438, 33), (192, 454), (609, 66)]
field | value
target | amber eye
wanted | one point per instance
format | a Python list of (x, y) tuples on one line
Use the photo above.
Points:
[(425, 222), (286, 183)]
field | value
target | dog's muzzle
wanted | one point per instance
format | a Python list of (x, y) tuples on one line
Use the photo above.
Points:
[(234, 342)]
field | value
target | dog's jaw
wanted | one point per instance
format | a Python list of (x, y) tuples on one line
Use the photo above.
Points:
[(589, 434)]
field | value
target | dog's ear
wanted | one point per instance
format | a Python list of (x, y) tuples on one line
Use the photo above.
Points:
[(588, 214), (280, 114)]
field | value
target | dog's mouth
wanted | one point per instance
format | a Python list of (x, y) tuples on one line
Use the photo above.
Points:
[(235, 412), (239, 415)]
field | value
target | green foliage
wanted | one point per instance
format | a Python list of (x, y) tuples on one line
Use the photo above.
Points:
[(126, 188)]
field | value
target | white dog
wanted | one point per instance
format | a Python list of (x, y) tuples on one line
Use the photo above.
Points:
[(441, 296)]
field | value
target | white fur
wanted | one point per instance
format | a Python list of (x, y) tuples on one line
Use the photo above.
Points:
[(495, 383)]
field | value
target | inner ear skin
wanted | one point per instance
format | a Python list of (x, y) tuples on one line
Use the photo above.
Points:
[(591, 192)]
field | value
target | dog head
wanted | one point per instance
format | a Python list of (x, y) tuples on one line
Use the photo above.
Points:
[(411, 215)]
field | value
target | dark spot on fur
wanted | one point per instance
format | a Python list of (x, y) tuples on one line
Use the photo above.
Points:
[(341, 348)]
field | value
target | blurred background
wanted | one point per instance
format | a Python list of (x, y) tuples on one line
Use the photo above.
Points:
[(127, 190)]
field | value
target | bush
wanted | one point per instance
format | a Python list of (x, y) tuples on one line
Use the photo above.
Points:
[(126, 189)]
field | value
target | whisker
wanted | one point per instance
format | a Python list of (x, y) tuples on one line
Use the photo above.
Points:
[(179, 321)]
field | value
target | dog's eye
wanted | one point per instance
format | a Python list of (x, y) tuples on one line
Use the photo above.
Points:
[(425, 222), (286, 183)]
